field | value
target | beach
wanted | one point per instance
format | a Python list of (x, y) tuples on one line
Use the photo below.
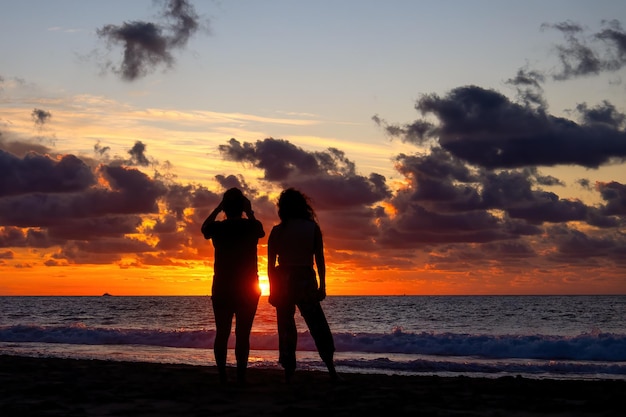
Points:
[(72, 387)]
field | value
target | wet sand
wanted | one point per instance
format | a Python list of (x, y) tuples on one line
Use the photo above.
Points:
[(68, 387)]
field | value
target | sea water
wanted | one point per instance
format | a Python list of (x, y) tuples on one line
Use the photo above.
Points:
[(559, 337)]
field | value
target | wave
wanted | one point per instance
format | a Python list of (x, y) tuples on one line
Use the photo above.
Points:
[(588, 346), (594, 346), (551, 369)]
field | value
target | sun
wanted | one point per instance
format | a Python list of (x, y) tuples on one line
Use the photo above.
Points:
[(264, 284)]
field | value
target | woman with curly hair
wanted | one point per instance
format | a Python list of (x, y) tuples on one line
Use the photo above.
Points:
[(294, 247)]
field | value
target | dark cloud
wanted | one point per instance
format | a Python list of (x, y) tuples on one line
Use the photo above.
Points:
[(147, 45), (40, 117), (178, 198), (547, 180), (56, 201), (41, 173), (485, 128), (584, 55), (604, 114), (529, 87), (102, 251), (614, 194), (584, 183), (549, 208), (203, 197), (416, 132), (328, 177), (511, 249), (438, 181), (138, 154), (278, 158), (101, 151), (183, 21), (19, 148), (449, 201), (576, 246), (418, 227), (95, 227), (527, 78), (16, 237), (132, 191), (615, 38), (230, 181)]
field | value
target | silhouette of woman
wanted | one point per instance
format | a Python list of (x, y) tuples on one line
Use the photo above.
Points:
[(235, 290), (296, 244)]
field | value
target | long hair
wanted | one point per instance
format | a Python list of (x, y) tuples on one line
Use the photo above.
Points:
[(293, 204)]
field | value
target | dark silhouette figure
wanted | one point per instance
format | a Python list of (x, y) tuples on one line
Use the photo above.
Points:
[(296, 243), (235, 290)]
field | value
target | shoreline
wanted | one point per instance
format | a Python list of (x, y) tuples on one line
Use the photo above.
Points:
[(90, 387)]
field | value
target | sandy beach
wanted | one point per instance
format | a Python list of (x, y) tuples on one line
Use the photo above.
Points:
[(68, 387)]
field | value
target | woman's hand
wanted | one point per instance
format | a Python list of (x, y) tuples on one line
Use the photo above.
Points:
[(247, 207)]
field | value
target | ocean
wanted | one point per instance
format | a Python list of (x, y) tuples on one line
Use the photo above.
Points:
[(557, 337)]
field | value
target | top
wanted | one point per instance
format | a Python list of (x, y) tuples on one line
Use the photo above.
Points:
[(235, 266), (295, 241)]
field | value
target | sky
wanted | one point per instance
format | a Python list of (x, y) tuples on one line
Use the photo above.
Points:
[(458, 147)]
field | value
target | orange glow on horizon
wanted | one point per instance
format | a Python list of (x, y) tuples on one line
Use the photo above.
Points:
[(24, 275)]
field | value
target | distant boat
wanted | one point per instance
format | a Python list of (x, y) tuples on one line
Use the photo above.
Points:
[(106, 294)]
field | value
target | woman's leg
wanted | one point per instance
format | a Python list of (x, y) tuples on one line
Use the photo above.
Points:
[(223, 325), (244, 317), (287, 338), (320, 331)]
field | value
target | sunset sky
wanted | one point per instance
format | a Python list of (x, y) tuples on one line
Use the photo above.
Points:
[(449, 147)]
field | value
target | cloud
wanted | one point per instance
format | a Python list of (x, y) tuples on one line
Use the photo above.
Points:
[(128, 192), (40, 173), (56, 201), (329, 177), (40, 117), (20, 148), (147, 45), (137, 154), (101, 151), (447, 200), (604, 114), (577, 247), (614, 194), (485, 128), (584, 55), (529, 87)]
